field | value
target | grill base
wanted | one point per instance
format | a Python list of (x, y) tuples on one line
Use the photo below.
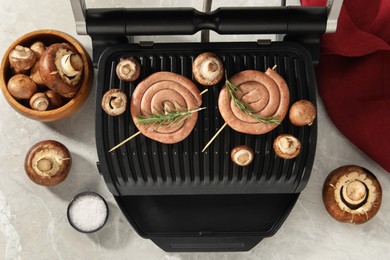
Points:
[(207, 223)]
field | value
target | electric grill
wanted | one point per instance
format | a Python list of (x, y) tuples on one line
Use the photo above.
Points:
[(175, 195)]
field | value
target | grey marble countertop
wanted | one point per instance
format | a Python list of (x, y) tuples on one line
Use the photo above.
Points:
[(33, 223)]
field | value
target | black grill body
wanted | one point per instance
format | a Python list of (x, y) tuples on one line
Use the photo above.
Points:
[(186, 200)]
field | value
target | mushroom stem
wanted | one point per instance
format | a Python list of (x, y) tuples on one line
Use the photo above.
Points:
[(210, 69), (287, 145), (40, 102), (128, 70), (45, 165), (116, 102), (242, 155), (71, 64), (354, 193)]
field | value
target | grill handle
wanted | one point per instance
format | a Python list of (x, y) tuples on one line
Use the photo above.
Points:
[(207, 244), (288, 20)]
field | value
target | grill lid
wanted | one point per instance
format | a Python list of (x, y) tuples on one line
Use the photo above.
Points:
[(146, 167)]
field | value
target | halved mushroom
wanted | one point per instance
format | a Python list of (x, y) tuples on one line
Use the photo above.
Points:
[(302, 113), (128, 69), (48, 163), (352, 194), (40, 102), (287, 146), (242, 155), (21, 59), (21, 86), (207, 69), (61, 68), (114, 102)]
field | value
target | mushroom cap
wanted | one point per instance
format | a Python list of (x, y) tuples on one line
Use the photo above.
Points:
[(38, 48), (208, 69), (114, 102), (287, 146), (21, 86), (21, 58), (54, 98), (48, 163), (242, 155), (128, 69), (342, 194), (302, 113), (52, 74)]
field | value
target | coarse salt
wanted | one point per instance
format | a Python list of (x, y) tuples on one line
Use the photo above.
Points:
[(88, 212)]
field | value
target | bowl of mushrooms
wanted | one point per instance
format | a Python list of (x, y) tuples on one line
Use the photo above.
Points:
[(46, 75)]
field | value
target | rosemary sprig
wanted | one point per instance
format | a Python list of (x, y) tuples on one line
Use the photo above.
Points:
[(168, 118), (244, 107)]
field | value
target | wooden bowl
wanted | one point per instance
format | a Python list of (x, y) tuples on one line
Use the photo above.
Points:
[(48, 37)]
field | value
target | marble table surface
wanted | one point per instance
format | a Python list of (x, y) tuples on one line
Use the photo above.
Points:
[(33, 223)]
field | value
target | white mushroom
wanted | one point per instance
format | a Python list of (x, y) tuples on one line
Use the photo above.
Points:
[(287, 146), (242, 155), (352, 194), (128, 69), (114, 102)]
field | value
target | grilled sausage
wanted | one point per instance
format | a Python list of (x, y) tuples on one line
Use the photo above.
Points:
[(165, 91), (266, 94)]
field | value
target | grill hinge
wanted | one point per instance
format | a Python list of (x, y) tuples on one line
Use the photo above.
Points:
[(146, 44), (263, 42)]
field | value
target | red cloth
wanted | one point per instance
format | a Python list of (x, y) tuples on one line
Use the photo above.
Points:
[(354, 76)]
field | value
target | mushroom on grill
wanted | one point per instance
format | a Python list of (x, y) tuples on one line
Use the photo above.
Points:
[(242, 155), (128, 69), (114, 102), (287, 146), (207, 69), (302, 113)]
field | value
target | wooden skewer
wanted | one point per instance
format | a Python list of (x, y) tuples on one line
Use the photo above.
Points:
[(139, 132), (224, 125), (125, 141), (204, 91), (215, 136)]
